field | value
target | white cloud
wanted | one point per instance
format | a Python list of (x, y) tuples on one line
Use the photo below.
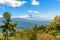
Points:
[(46, 16), (38, 16), (22, 16), (42, 16), (1, 16), (33, 11), (12, 3), (34, 2), (30, 11)]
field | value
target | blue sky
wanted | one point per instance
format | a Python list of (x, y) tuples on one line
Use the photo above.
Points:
[(31, 9)]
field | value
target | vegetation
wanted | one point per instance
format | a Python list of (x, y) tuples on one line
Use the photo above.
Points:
[(8, 26), (50, 31)]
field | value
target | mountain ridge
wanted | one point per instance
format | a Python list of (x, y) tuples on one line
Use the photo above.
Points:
[(26, 24)]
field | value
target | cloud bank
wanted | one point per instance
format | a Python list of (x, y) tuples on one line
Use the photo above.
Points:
[(46, 16), (16, 3), (22, 16), (12, 3)]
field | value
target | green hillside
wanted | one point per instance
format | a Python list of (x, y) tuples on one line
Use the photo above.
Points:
[(50, 31)]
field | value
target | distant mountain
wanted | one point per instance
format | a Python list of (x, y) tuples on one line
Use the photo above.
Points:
[(26, 24)]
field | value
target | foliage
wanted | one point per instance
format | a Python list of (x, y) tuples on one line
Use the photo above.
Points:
[(50, 31), (8, 26)]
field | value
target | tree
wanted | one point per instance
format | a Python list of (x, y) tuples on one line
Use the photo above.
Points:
[(34, 37), (56, 23), (35, 27), (8, 26)]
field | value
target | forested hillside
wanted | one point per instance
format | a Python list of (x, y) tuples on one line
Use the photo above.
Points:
[(44, 32)]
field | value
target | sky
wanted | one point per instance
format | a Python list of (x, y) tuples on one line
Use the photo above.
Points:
[(31, 9)]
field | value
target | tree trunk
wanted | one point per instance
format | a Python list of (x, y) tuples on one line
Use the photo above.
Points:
[(6, 35)]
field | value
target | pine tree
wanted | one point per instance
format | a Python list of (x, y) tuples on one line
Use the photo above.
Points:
[(8, 26)]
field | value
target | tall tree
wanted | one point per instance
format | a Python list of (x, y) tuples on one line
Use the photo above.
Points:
[(8, 26), (34, 36)]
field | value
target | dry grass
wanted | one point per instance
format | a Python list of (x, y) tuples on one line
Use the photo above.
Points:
[(45, 36)]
